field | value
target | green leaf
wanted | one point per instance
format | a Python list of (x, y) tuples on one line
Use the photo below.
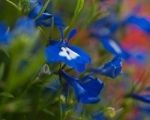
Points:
[(6, 94), (2, 67), (21, 50), (28, 73), (24, 5), (79, 7), (14, 5), (4, 63), (48, 112)]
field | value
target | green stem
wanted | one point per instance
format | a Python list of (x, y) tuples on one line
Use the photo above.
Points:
[(14, 5), (77, 11), (60, 103)]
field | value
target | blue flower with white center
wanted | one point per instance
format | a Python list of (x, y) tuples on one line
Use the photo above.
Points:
[(142, 98), (4, 34), (141, 22), (62, 51), (111, 69), (87, 89)]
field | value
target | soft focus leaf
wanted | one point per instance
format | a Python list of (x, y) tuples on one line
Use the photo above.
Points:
[(79, 7)]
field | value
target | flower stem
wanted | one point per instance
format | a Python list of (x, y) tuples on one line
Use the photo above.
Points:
[(60, 103), (14, 5)]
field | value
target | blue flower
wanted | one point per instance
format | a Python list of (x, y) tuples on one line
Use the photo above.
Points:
[(113, 47), (143, 98), (87, 89), (73, 56), (111, 69), (103, 30), (4, 34), (141, 22), (105, 26), (44, 19), (62, 51)]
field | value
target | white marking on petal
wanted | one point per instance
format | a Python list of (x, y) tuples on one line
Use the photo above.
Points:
[(68, 53), (115, 46), (72, 54), (64, 53)]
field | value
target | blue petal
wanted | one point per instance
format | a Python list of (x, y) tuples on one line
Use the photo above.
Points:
[(92, 85), (4, 33), (105, 26), (35, 10), (46, 18), (104, 30), (72, 33), (59, 22), (114, 47), (143, 98), (93, 88), (79, 63), (111, 69), (141, 22), (87, 90)]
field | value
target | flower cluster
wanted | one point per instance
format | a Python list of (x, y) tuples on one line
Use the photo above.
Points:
[(59, 65)]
